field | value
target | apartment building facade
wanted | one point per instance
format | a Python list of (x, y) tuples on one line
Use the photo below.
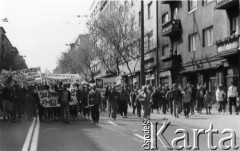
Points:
[(199, 42), (6, 49)]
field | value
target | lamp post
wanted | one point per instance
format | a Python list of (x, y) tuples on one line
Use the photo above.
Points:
[(142, 77)]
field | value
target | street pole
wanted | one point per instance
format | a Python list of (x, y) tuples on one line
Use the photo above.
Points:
[(157, 46), (142, 78)]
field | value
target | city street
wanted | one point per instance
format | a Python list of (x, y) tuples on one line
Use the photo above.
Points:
[(107, 135), (171, 68)]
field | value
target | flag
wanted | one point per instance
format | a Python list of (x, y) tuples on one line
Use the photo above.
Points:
[(5, 20)]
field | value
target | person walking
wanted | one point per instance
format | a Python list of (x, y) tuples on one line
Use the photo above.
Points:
[(94, 100), (138, 104), (232, 97), (208, 102), (114, 98), (79, 98), (220, 96), (186, 98), (133, 96), (123, 104), (177, 100), (193, 97), (199, 97), (163, 101), (65, 98), (169, 98), (155, 96), (85, 102), (144, 97)]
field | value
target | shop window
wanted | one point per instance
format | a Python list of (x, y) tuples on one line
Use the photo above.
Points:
[(208, 37)]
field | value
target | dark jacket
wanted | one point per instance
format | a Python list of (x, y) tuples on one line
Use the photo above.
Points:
[(176, 95), (94, 97), (114, 96), (155, 99), (124, 96), (79, 95), (61, 95)]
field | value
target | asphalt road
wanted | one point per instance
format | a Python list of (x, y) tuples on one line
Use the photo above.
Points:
[(122, 134)]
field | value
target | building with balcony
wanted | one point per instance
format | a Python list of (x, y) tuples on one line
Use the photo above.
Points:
[(202, 46)]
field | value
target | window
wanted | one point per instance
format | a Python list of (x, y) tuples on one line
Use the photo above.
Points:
[(192, 42), (234, 25), (208, 37), (164, 18), (192, 5), (205, 2), (175, 13), (150, 38), (165, 50), (175, 47), (149, 10)]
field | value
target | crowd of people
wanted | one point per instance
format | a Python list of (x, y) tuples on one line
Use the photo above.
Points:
[(17, 102)]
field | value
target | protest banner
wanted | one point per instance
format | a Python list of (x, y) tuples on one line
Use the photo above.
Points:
[(102, 83), (32, 75), (49, 98), (73, 96), (64, 78)]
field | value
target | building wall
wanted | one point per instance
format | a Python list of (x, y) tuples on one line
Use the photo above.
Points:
[(200, 66)]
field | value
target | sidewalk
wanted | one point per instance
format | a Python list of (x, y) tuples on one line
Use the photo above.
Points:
[(203, 120)]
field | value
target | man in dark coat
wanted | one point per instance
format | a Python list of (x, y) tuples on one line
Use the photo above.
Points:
[(94, 99)]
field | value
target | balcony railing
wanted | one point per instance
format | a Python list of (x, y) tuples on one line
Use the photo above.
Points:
[(225, 4), (229, 44), (169, 1), (171, 28), (171, 61)]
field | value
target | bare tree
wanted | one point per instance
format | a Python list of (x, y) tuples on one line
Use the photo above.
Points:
[(117, 27)]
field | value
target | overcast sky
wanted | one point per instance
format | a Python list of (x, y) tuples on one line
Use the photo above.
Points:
[(40, 29)]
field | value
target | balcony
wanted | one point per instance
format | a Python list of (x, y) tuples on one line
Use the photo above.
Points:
[(228, 45), (170, 62), (171, 28), (168, 1), (226, 4)]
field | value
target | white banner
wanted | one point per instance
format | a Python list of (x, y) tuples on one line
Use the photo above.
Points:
[(32, 74), (49, 98), (64, 78)]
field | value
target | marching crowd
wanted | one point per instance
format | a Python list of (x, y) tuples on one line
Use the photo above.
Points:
[(17, 102)]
